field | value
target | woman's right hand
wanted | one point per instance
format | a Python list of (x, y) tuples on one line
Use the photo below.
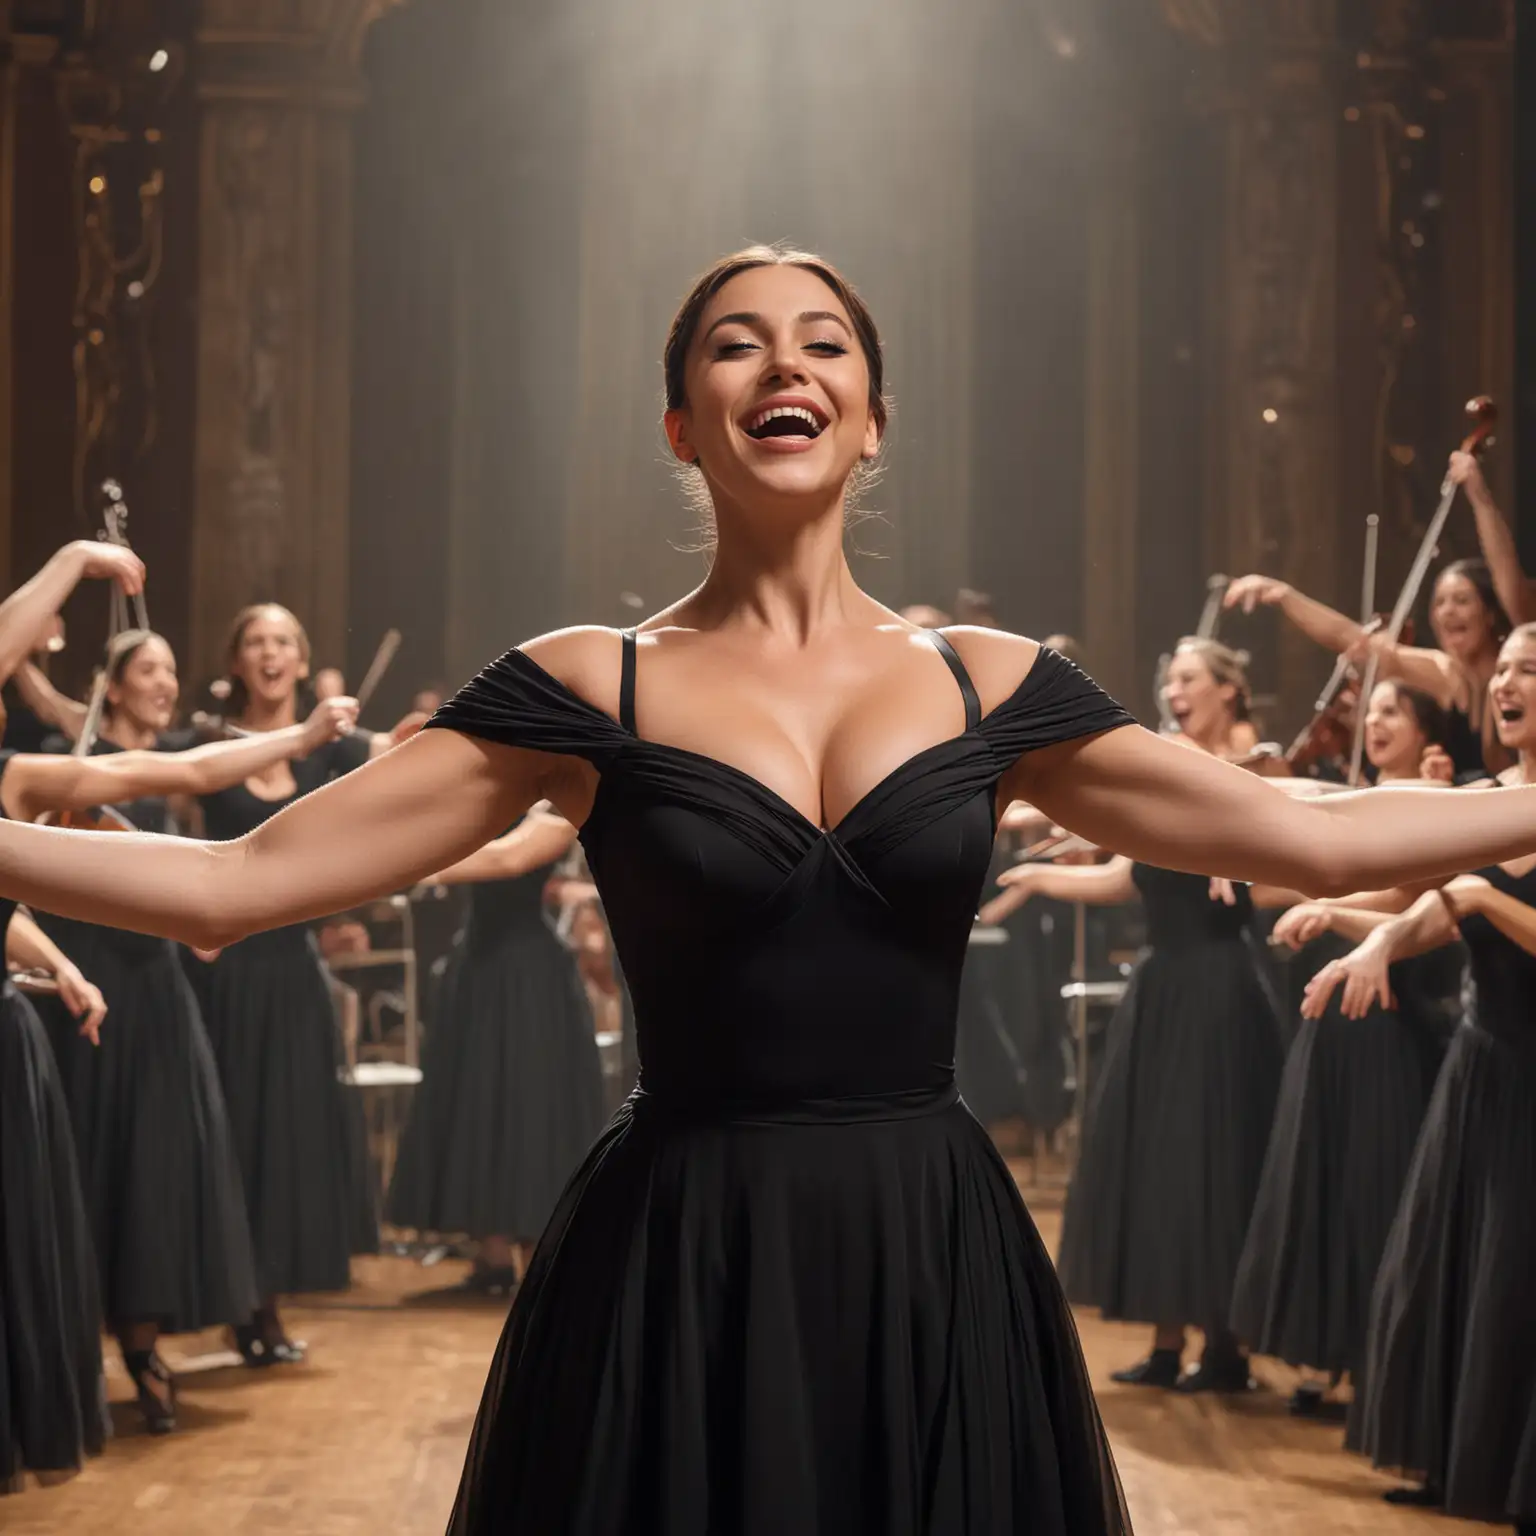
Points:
[(1363, 973), (329, 719), (1021, 879), (1250, 592), (1465, 470), (114, 562), (1436, 764), (1303, 923)]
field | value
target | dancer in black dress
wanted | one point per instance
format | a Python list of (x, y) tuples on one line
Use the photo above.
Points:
[(512, 1091), (52, 1396), (1175, 1131), (1469, 624), (793, 1288), (1450, 1376), (1351, 1103), (156, 1163), (298, 1130)]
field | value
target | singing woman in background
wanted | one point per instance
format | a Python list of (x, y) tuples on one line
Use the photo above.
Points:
[(156, 1166), (297, 1130), (1450, 1358), (1469, 624), (512, 1090), (1174, 1136), (1352, 1100), (793, 1287)]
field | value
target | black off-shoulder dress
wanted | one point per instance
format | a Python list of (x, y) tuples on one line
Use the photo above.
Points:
[(793, 1287)]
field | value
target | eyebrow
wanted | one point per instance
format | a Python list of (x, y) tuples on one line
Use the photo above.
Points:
[(751, 317)]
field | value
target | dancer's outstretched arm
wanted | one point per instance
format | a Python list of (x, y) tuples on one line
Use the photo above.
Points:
[(24, 613), (35, 782), (428, 804)]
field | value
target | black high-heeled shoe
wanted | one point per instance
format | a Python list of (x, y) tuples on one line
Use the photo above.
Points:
[(156, 1389), (260, 1348), (1219, 1370), (1159, 1369)]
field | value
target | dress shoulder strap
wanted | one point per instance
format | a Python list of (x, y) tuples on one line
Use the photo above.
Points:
[(1055, 702), (962, 677), (627, 683)]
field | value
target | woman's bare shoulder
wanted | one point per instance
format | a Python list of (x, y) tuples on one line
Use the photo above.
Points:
[(997, 660), (585, 657)]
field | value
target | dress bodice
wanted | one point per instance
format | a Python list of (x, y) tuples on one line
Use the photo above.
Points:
[(770, 959), (500, 910), (1181, 911), (1503, 974)]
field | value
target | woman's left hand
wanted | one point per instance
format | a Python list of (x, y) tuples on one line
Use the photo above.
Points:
[(83, 1000)]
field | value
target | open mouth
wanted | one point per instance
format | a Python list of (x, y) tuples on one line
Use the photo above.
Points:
[(792, 419), (1511, 714)]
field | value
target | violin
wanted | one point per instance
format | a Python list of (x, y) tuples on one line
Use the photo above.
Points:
[(1484, 415)]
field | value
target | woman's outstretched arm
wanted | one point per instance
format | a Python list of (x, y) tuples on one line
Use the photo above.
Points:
[(428, 804), (35, 782), (24, 613), (540, 839), (1140, 795)]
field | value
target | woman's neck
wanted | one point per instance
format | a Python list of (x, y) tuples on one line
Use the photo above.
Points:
[(1217, 739), (262, 715), (132, 735), (789, 580), (1526, 765)]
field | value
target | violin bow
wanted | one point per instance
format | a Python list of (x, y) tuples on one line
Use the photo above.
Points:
[(1367, 613), (1485, 414), (378, 667)]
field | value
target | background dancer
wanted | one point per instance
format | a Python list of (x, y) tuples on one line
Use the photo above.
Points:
[(512, 1090)]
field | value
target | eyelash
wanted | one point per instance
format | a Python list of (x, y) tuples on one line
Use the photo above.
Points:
[(736, 348)]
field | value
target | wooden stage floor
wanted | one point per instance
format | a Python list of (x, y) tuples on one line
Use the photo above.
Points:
[(369, 1437)]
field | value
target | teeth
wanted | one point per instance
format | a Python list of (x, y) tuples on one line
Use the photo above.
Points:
[(762, 419)]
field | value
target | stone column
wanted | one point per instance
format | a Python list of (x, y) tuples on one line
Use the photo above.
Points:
[(278, 84)]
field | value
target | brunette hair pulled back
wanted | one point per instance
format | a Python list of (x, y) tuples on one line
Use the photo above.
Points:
[(1476, 571), (685, 327), (238, 697), (1227, 666), (121, 649), (1425, 710)]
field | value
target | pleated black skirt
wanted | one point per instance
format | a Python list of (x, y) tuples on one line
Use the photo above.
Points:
[(156, 1160), (1450, 1382), (52, 1402), (1174, 1140), (511, 1098), (299, 1132), (1352, 1099), (837, 1320)]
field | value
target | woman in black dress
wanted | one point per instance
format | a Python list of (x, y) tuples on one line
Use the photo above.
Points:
[(298, 1130), (1450, 1357), (512, 1089), (52, 1397), (1351, 1103), (792, 1288), (1174, 1135), (1469, 625), (155, 1159)]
